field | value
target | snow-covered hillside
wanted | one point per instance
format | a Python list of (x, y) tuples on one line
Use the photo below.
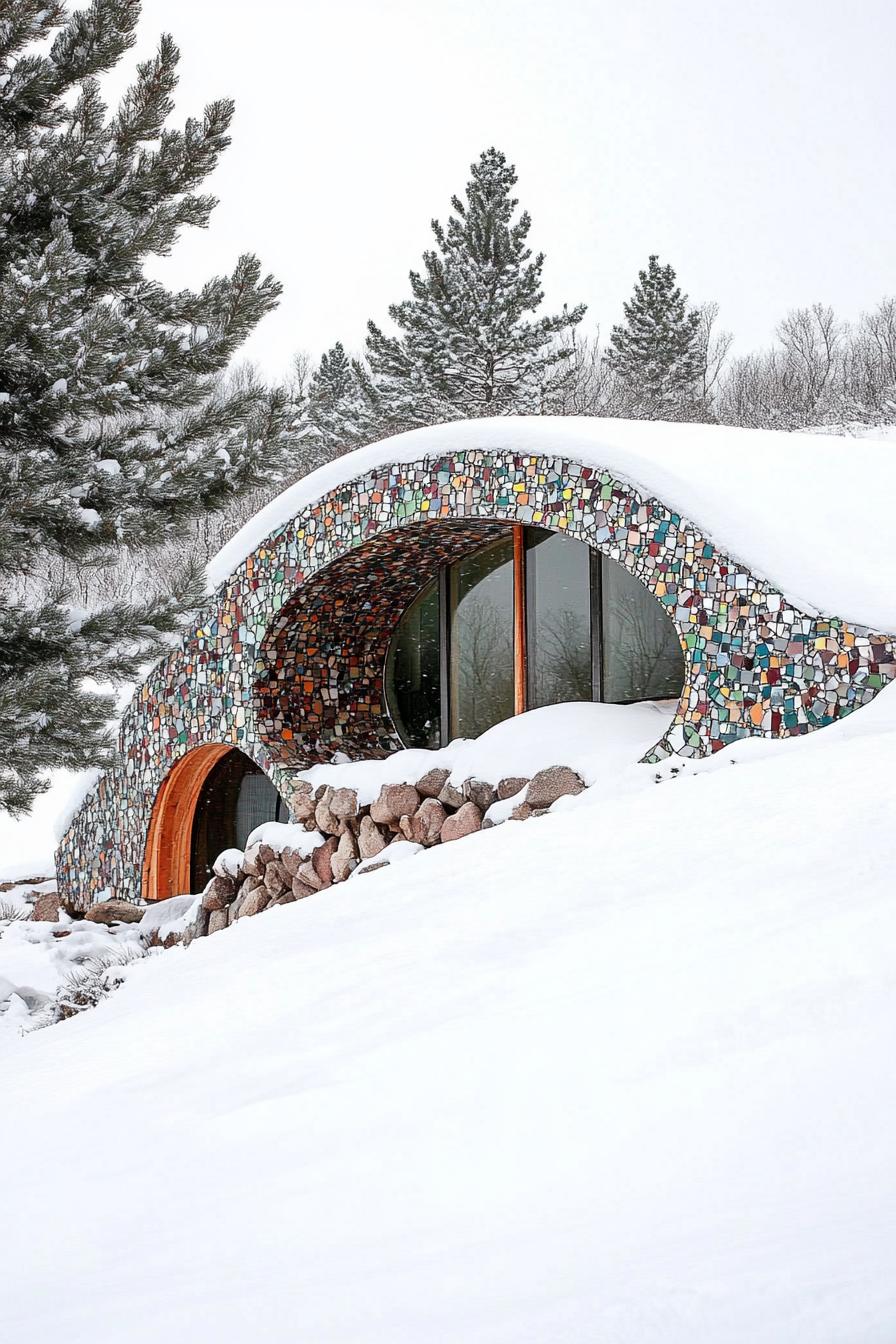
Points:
[(622, 1073)]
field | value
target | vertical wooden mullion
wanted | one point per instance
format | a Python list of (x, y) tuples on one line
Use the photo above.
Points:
[(519, 620)]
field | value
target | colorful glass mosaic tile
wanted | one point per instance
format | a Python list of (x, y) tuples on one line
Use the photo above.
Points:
[(287, 662)]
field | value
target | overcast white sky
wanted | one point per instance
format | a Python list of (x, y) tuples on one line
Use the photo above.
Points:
[(749, 142)]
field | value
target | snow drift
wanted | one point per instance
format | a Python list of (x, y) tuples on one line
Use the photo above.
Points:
[(620, 1073), (598, 741)]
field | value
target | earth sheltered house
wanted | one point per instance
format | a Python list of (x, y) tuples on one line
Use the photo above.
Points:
[(430, 586)]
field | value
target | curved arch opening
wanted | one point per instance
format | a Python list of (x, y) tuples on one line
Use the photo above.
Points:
[(320, 669), (210, 800), (435, 630), (538, 619)]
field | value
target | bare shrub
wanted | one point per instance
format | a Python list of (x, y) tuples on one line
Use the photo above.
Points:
[(9, 912), (87, 986)]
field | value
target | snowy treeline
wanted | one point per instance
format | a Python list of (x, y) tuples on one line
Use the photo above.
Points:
[(820, 370), (469, 342)]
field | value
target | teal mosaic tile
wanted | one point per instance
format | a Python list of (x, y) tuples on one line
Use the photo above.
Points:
[(287, 662)]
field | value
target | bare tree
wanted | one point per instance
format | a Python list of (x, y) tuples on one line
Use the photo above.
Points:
[(751, 392), (715, 347), (593, 388), (483, 665), (562, 658), (870, 365), (823, 372), (813, 340)]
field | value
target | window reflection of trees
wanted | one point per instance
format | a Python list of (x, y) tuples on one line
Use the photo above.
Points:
[(563, 658), (567, 593), (483, 665), (413, 675), (642, 656)]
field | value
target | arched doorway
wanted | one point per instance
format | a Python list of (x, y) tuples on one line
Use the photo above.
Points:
[(210, 800), (236, 796)]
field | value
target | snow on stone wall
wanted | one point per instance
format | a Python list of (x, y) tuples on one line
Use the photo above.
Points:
[(756, 663)]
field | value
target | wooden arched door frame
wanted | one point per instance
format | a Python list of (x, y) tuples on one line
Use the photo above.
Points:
[(166, 860)]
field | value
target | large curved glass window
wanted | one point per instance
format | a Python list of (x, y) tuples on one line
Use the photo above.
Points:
[(536, 618), (236, 797), (642, 657)]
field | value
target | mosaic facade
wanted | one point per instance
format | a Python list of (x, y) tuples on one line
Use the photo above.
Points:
[(287, 662), (319, 673)]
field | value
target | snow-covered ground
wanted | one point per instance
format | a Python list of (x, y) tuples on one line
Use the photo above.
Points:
[(855, 429), (604, 743), (38, 958), (620, 1073), (597, 740)]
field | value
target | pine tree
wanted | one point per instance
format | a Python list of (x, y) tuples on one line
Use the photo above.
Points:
[(338, 411), (657, 354), (467, 345), (111, 428)]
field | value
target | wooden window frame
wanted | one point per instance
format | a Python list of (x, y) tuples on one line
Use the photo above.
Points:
[(521, 695)]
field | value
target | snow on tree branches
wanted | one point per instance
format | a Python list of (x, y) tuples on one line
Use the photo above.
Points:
[(112, 426), (467, 345), (338, 412), (657, 354)]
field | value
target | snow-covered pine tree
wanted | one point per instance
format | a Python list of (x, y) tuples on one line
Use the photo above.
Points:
[(467, 345), (657, 354), (338, 411), (112, 430)]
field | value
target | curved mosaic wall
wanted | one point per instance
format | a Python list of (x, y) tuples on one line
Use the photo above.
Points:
[(287, 661), (319, 672)]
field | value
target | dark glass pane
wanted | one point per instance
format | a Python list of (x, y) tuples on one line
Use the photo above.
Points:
[(257, 802), (558, 618), (236, 797), (642, 658), (413, 680), (481, 640)]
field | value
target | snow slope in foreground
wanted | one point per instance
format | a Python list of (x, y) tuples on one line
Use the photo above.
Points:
[(623, 1073)]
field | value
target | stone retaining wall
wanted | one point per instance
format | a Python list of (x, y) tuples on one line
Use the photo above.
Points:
[(353, 839)]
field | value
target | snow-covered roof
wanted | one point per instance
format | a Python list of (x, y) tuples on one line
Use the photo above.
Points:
[(815, 514)]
